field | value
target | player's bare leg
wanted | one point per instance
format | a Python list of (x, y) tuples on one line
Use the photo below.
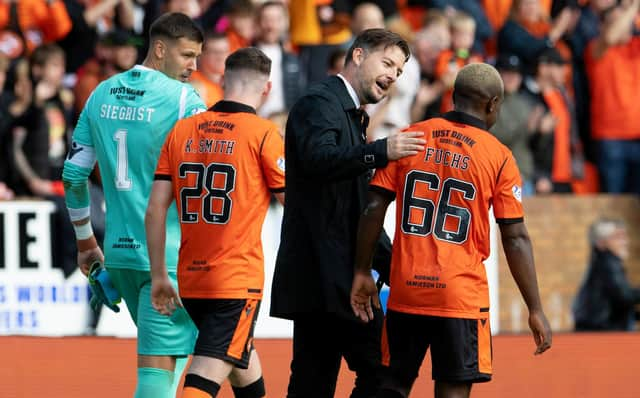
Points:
[(248, 383), (157, 361), (205, 375), (452, 390)]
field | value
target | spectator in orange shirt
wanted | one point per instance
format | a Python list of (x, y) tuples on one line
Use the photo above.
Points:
[(207, 80), (497, 11), (317, 28), (241, 30), (449, 62), (27, 24), (587, 28), (556, 145), (613, 62)]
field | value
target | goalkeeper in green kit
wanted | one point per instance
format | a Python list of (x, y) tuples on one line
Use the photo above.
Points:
[(123, 126)]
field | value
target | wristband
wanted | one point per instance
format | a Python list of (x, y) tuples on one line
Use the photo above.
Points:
[(83, 231)]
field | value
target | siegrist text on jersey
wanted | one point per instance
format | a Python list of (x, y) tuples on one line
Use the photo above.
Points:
[(130, 113)]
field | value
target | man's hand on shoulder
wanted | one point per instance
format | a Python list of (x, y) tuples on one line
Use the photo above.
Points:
[(402, 144)]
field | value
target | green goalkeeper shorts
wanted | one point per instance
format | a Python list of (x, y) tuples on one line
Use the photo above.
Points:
[(158, 334)]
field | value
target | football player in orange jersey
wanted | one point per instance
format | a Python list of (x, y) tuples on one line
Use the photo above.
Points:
[(439, 296), (221, 167)]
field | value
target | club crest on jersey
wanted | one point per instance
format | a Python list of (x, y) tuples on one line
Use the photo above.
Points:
[(196, 111), (280, 163), (517, 193)]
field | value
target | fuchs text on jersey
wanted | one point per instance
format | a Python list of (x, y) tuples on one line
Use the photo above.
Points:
[(446, 158)]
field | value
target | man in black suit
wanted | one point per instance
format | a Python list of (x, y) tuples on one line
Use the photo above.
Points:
[(328, 164)]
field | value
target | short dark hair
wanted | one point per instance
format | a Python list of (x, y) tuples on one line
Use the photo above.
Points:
[(241, 8), (249, 59), (372, 39), (213, 35), (43, 53), (175, 26)]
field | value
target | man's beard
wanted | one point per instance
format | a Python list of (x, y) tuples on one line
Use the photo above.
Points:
[(370, 97)]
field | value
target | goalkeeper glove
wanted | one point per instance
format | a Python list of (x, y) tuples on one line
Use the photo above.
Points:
[(102, 288)]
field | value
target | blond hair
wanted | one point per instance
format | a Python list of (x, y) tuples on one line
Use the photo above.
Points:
[(477, 81), (462, 21)]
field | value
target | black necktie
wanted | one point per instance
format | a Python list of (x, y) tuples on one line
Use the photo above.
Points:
[(364, 120), (363, 116)]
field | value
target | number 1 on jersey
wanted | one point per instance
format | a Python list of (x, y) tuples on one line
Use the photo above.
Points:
[(123, 183)]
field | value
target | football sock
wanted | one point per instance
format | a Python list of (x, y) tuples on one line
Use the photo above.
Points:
[(253, 390), (154, 383), (181, 363), (198, 387)]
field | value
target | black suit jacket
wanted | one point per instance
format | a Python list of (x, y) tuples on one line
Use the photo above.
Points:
[(327, 170)]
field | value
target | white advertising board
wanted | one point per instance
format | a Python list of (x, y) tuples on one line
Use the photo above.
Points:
[(36, 299)]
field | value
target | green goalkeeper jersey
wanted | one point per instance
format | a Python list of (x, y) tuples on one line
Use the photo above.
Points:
[(123, 126)]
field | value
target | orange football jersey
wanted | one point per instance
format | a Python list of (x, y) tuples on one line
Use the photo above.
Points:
[(442, 220), (223, 165)]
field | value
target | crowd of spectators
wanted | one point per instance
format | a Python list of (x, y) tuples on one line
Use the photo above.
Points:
[(570, 70)]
